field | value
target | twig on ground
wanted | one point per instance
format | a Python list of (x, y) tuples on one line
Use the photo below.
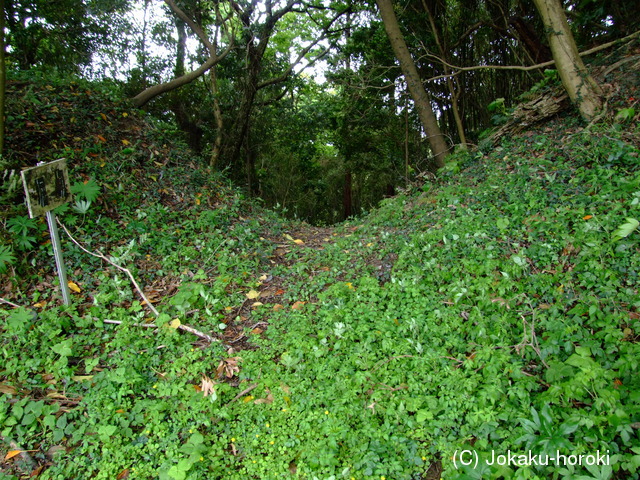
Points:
[(185, 328), (99, 255), (386, 360), (122, 269), (9, 303), (243, 393), (235, 340), (529, 339)]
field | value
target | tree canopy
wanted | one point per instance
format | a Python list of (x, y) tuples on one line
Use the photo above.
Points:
[(315, 88)]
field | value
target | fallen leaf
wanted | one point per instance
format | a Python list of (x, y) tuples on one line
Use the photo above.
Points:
[(298, 241), (57, 395), (279, 291), (268, 399), (104, 117), (125, 142), (277, 307), (74, 287), (207, 386), (500, 301), (123, 474), (257, 331), (101, 138), (257, 304), (228, 367), (81, 378), (36, 472), (297, 305), (253, 294), (247, 399), (587, 217), (11, 454), (8, 389), (175, 323), (263, 277), (40, 304), (288, 237)]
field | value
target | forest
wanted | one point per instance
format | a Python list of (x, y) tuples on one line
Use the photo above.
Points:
[(320, 239)]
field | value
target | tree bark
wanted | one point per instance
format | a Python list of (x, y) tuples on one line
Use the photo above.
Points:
[(3, 76), (152, 92), (582, 89), (453, 91), (420, 96), (538, 52), (347, 201), (215, 93)]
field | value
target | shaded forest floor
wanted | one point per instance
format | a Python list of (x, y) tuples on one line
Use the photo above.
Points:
[(494, 309)]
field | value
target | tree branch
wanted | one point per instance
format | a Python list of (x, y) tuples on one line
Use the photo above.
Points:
[(527, 68), (150, 93), (99, 255), (197, 29), (122, 269), (9, 303), (287, 72), (186, 328)]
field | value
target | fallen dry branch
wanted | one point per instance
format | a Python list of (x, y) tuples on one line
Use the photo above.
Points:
[(243, 393), (185, 328), (9, 303), (122, 269)]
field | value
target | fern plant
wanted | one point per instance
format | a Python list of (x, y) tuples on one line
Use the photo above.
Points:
[(89, 189), (21, 226), (6, 258)]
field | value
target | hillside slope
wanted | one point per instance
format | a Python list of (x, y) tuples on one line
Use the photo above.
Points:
[(493, 310)]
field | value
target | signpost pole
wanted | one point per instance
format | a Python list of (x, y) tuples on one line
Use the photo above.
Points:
[(57, 253), (46, 186)]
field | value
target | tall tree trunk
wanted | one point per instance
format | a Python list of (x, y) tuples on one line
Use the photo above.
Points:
[(538, 52), (240, 128), (3, 76), (347, 194), (184, 118), (580, 86), (215, 93), (418, 93), (453, 91)]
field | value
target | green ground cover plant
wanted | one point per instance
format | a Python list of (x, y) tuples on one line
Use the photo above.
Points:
[(494, 309)]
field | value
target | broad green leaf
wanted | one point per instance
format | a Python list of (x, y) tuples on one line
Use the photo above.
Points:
[(625, 229)]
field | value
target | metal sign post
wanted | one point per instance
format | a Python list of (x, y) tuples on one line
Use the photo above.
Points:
[(46, 187), (57, 253)]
